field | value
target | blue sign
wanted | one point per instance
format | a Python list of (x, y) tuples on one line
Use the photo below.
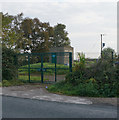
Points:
[(103, 44), (53, 55)]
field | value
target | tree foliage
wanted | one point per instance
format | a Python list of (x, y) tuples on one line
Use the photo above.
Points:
[(12, 35), (108, 53), (60, 36), (8, 35), (38, 33), (27, 34)]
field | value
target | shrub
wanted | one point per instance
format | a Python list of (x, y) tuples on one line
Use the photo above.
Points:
[(74, 78), (100, 79), (108, 53), (80, 65), (6, 83), (105, 73), (9, 69), (92, 80), (77, 76), (0, 84), (87, 89), (57, 87), (107, 90)]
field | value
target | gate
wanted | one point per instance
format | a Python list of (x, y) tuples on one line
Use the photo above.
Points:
[(43, 67)]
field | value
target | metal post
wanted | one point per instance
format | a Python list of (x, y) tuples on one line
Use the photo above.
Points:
[(15, 59), (101, 45), (112, 57), (70, 62), (55, 67), (16, 64), (42, 68), (29, 67)]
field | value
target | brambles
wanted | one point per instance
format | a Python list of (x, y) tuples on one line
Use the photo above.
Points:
[(100, 79)]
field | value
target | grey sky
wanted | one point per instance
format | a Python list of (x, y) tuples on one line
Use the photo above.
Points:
[(84, 21)]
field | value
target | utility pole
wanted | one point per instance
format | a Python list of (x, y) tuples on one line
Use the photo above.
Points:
[(101, 44)]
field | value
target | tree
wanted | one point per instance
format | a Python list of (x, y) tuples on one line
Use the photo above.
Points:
[(21, 40), (108, 54), (40, 34), (60, 36), (12, 35), (32, 35), (8, 36)]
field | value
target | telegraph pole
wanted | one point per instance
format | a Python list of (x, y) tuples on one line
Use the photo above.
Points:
[(101, 44)]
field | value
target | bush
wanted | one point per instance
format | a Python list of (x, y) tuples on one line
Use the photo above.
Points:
[(75, 78), (87, 89), (100, 79), (107, 54), (106, 75), (0, 84), (58, 87), (6, 83), (107, 90), (9, 69)]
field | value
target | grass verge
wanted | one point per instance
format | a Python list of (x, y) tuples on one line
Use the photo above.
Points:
[(6, 83)]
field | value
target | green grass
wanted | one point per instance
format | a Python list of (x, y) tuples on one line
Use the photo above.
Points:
[(45, 65), (22, 79), (61, 69), (0, 84), (25, 77), (35, 75), (6, 83), (33, 78)]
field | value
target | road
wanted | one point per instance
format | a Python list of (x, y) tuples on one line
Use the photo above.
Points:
[(14, 107)]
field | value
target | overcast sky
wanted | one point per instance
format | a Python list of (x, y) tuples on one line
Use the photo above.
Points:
[(84, 21)]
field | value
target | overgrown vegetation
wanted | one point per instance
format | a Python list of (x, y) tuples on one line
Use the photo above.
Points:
[(9, 68), (7, 83), (100, 79)]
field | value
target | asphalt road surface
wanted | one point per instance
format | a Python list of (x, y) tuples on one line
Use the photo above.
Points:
[(27, 108)]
